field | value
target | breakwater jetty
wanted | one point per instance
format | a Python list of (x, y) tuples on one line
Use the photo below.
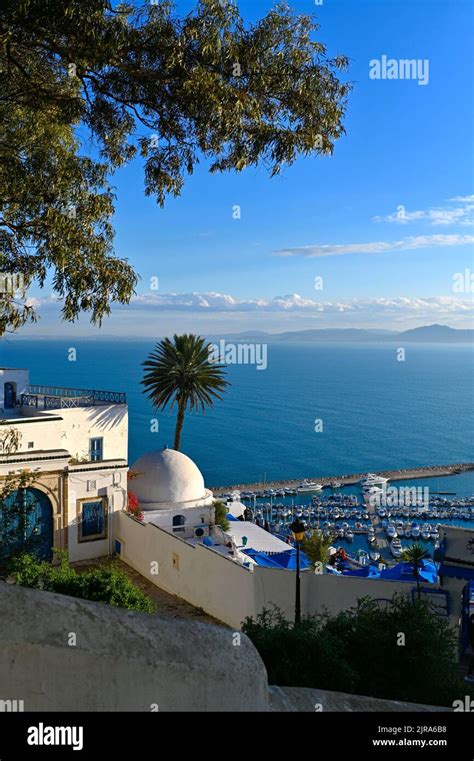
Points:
[(422, 471)]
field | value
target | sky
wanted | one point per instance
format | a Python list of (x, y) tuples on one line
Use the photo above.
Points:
[(379, 235)]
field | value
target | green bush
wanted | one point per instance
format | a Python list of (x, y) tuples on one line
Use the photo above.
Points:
[(107, 584), (220, 515), (358, 651)]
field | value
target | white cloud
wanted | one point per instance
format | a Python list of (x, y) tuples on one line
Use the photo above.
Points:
[(293, 303), (213, 302), (437, 216), (409, 243)]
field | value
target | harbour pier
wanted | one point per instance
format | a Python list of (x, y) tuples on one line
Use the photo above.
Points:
[(402, 474)]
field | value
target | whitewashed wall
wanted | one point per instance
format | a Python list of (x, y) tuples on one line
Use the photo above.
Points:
[(230, 592), (17, 376), (110, 484), (201, 576), (74, 429)]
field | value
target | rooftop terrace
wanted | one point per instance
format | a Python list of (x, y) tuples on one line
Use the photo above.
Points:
[(58, 397)]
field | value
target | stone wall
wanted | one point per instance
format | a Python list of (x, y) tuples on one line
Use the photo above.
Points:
[(127, 661), (297, 699), (121, 660)]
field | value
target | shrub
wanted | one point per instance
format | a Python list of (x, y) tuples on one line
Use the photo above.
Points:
[(358, 651), (220, 515), (107, 584)]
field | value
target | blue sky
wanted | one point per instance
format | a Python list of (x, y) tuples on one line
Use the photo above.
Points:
[(407, 145)]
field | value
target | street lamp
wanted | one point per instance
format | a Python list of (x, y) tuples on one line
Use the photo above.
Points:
[(297, 529)]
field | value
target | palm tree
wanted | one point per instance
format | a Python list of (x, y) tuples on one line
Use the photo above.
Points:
[(316, 547), (415, 554), (180, 372)]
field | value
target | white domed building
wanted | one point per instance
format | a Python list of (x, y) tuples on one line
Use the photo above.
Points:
[(171, 492)]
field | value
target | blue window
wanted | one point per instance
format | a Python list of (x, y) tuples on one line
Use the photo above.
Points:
[(178, 523), (93, 519), (96, 449)]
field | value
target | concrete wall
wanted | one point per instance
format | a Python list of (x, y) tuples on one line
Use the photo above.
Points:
[(457, 552), (65, 488), (320, 591), (457, 548), (229, 591), (127, 661), (199, 575), (110, 483), (122, 660), (18, 376), (296, 699), (72, 429)]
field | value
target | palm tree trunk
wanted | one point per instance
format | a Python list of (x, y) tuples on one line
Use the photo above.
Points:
[(179, 425)]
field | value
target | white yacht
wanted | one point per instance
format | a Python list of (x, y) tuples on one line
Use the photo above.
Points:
[(372, 479), (309, 486), (396, 548), (372, 494), (426, 532), (363, 557), (400, 528), (391, 531)]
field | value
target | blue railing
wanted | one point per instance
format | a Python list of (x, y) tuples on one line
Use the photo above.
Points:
[(60, 397)]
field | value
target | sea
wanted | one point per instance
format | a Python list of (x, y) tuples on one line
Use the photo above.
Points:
[(315, 410)]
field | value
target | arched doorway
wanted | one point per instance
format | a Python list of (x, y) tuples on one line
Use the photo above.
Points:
[(26, 524), (9, 395)]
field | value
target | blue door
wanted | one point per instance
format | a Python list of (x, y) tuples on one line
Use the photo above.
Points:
[(97, 446), (26, 524), (9, 396)]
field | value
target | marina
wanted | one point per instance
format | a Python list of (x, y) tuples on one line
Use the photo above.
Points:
[(428, 471), (354, 516)]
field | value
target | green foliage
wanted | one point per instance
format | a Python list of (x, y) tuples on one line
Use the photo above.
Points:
[(356, 651), (316, 547), (180, 372), (220, 515), (299, 656), (107, 584), (139, 81)]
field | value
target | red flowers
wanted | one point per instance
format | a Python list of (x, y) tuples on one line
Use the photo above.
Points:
[(133, 506)]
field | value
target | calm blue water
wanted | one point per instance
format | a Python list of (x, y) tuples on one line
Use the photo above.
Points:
[(377, 413)]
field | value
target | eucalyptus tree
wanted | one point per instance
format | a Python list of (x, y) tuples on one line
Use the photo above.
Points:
[(87, 86)]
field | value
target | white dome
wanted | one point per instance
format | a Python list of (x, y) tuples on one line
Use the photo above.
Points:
[(167, 476)]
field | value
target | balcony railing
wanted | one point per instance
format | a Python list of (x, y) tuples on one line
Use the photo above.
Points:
[(58, 397)]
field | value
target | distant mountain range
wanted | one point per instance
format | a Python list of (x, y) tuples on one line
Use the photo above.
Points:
[(423, 334)]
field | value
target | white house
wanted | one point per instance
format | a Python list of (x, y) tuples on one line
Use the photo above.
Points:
[(75, 443), (171, 493)]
